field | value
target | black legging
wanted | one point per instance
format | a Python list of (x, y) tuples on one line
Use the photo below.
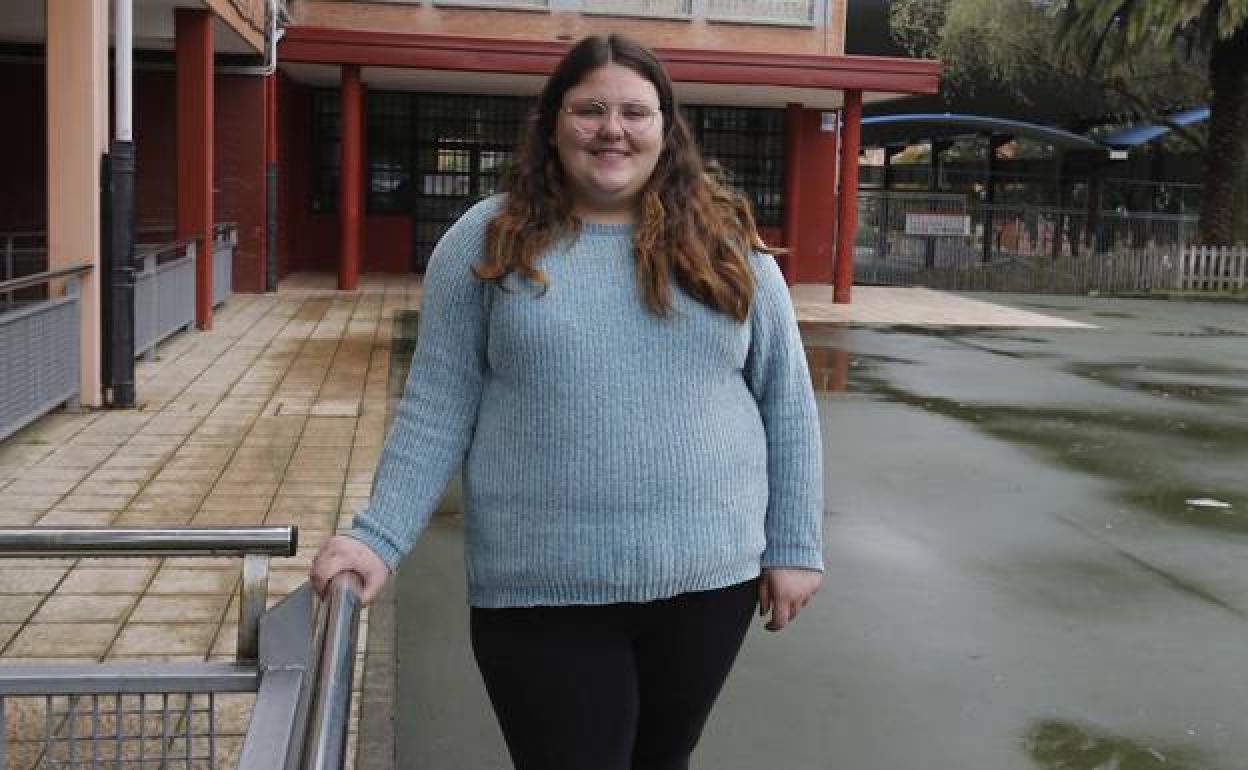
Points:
[(610, 687)]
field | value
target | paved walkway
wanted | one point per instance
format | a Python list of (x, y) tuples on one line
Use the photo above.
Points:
[(275, 417)]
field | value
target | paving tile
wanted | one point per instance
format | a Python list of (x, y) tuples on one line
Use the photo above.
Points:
[(227, 519), (234, 712), (58, 517), (77, 502), (18, 608), (62, 639), (165, 503), (53, 473), (85, 609), (180, 487), (164, 639), (107, 474), (285, 581), (97, 486), (40, 487), (28, 580), (95, 580), (7, 632), (182, 580), (243, 488), (255, 505), (156, 519), (310, 489), (19, 518), (179, 609), (120, 562)]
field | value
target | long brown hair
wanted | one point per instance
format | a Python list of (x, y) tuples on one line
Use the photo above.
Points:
[(692, 227)]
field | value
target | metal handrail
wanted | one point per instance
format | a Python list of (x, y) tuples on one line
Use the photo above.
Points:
[(36, 279), (255, 544), (82, 541), (330, 714)]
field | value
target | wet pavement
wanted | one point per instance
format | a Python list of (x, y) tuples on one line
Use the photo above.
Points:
[(1036, 549)]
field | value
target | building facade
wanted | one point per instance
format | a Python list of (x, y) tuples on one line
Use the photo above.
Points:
[(345, 136)]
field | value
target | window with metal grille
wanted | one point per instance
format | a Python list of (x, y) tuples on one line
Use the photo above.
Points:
[(389, 127), (326, 132), (749, 144)]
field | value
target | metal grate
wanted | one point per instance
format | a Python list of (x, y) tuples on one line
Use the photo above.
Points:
[(389, 124), (166, 731), (750, 145), (325, 161), (463, 146)]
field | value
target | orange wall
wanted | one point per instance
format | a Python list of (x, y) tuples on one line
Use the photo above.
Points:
[(529, 25)]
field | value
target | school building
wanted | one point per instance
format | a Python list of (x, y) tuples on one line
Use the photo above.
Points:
[(344, 136)]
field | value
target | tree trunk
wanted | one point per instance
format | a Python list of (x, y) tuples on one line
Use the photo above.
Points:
[(1226, 162)]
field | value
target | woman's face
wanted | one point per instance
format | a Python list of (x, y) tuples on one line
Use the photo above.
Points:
[(608, 135)]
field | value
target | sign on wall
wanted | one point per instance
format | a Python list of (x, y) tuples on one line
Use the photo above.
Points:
[(938, 224)]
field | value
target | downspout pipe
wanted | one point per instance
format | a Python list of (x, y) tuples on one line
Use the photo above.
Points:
[(120, 326)]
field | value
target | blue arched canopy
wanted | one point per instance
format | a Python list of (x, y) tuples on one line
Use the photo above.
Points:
[(915, 127), (1150, 132)]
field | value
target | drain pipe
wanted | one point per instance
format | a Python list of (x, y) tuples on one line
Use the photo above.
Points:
[(120, 329)]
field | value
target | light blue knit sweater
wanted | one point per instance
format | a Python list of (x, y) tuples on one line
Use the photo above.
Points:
[(608, 455)]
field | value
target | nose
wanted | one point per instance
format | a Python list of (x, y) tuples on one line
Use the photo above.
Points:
[(612, 124)]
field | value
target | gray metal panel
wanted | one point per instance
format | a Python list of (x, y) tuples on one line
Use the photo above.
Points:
[(225, 237), (287, 653), (85, 678), (38, 360), (164, 300)]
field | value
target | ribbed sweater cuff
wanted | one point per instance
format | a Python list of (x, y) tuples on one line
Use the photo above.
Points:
[(802, 556), (381, 545)]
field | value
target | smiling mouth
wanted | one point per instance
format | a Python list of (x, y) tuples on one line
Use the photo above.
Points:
[(610, 153)]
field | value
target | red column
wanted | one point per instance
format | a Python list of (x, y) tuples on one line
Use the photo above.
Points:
[(847, 200), (350, 180), (193, 61), (792, 187)]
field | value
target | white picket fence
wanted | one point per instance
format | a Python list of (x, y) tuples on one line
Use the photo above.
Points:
[(1212, 268)]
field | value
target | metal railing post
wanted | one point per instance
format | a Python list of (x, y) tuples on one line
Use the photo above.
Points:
[(329, 717)]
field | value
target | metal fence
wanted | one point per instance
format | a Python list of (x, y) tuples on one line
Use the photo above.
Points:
[(164, 293), (224, 240), (1213, 268), (951, 241), (297, 660), (39, 351)]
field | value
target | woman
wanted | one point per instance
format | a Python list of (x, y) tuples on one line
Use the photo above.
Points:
[(621, 376)]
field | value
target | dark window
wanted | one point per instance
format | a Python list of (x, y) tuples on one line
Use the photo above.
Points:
[(749, 144), (389, 146), (463, 144), (326, 131)]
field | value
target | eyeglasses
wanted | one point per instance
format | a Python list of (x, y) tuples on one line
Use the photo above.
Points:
[(589, 116)]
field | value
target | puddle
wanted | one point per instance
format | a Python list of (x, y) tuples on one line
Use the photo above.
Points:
[(1059, 745), (1203, 332), (1190, 381), (1159, 461)]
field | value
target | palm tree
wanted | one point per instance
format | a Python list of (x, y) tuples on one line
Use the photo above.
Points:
[(1216, 29)]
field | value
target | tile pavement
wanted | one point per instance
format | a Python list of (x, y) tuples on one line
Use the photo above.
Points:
[(274, 417)]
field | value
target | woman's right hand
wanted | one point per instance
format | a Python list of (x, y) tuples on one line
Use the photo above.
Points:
[(346, 554)]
